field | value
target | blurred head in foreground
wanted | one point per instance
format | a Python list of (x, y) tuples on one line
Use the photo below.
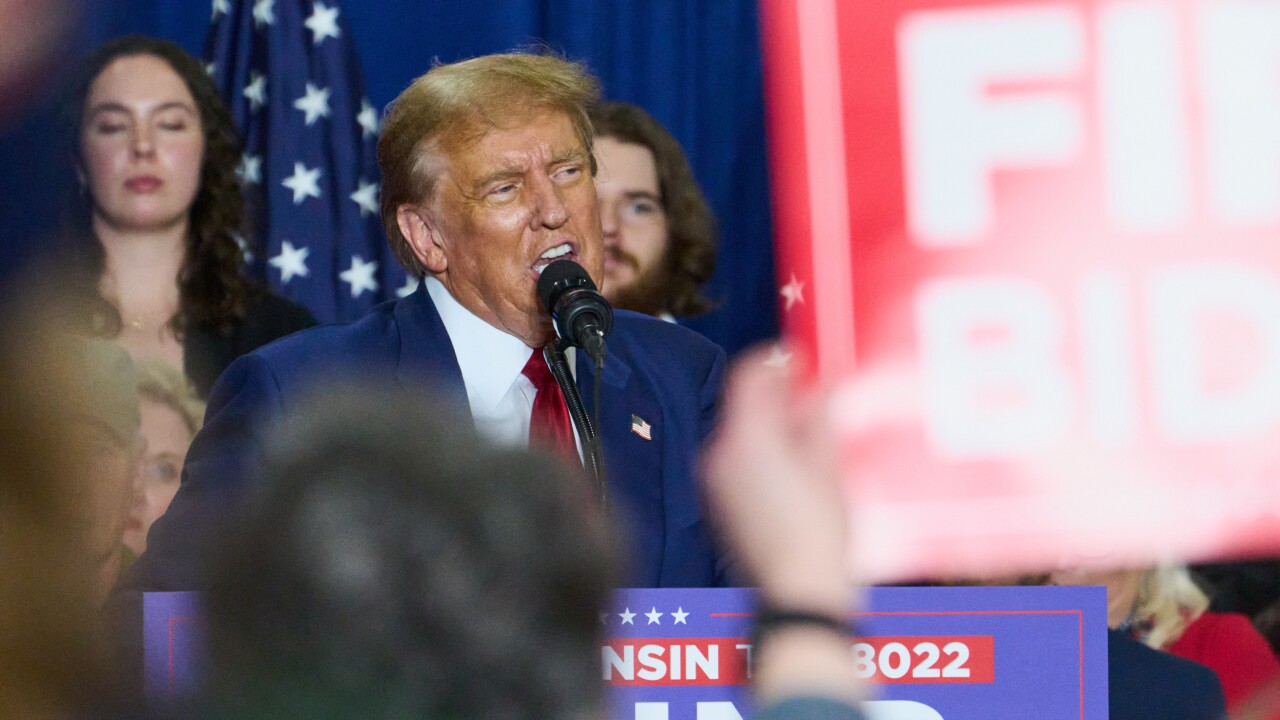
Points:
[(104, 427), (395, 567), (65, 479)]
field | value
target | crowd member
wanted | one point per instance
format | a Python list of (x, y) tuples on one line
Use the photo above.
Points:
[(151, 236), (659, 234), (486, 168), (1163, 608), (394, 566), (171, 414), (773, 485)]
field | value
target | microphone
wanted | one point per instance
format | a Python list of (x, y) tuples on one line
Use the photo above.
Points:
[(581, 315)]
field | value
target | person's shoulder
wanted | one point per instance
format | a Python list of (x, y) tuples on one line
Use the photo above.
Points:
[(333, 344), (1223, 624), (1148, 683), (662, 340)]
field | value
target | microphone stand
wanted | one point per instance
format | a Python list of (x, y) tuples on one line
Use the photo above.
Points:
[(591, 445)]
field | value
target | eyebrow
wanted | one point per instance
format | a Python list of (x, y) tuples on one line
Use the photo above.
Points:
[(507, 172), (642, 195), (118, 107)]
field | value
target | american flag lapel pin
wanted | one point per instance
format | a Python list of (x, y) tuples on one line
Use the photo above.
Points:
[(641, 428)]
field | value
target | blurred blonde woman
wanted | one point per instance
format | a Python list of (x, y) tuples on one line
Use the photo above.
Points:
[(171, 415), (1164, 608)]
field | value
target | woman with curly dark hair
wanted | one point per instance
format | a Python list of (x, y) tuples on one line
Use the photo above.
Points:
[(150, 239)]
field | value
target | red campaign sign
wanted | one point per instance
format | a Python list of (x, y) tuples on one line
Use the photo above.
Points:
[(1035, 246)]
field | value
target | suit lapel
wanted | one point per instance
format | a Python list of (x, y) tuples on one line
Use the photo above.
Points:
[(426, 352), (632, 463)]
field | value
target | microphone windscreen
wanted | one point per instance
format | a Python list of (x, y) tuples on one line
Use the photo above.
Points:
[(558, 277)]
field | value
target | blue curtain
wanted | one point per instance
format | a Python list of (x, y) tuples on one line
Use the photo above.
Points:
[(694, 64)]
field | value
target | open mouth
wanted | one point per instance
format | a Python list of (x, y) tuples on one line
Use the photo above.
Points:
[(563, 251)]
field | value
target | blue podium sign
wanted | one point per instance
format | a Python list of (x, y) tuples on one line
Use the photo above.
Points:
[(996, 653)]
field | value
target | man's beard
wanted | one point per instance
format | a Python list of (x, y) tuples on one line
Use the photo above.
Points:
[(648, 292)]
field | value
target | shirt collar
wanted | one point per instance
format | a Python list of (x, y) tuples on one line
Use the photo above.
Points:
[(490, 359)]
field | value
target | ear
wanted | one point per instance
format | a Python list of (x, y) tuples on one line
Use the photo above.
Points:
[(418, 228)]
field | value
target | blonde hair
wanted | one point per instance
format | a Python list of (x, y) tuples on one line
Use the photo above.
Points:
[(455, 103), (161, 382), (1168, 601)]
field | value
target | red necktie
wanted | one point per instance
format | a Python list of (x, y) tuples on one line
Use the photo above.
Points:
[(549, 426)]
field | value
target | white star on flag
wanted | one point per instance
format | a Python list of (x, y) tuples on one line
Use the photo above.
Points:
[(778, 357), (793, 292), (250, 168), (323, 22), (256, 90), (292, 262), (221, 7), (211, 69), (315, 103), (627, 616), (360, 276), (680, 616), (366, 196), (408, 288), (653, 616), (367, 119), (303, 182), (264, 12)]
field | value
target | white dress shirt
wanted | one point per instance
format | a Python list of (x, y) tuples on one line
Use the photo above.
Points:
[(500, 396)]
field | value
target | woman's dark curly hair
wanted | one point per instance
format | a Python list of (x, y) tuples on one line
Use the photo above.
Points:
[(212, 289), (691, 252)]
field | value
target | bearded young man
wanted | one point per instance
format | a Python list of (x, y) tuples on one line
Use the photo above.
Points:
[(659, 234)]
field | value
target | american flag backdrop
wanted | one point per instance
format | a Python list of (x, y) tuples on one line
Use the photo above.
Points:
[(289, 72)]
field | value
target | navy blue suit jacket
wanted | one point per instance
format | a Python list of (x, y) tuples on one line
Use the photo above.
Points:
[(664, 374), (1147, 684)]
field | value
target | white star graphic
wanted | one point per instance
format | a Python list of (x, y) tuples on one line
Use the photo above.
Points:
[(778, 357), (250, 168), (653, 616), (680, 616), (291, 261), (367, 119), (628, 617), (360, 276), (793, 292), (211, 69), (221, 7), (315, 103), (264, 12), (323, 22), (256, 90), (604, 618), (366, 196), (408, 288), (303, 182)]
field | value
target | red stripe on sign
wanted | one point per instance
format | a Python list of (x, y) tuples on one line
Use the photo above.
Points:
[(675, 661), (920, 659)]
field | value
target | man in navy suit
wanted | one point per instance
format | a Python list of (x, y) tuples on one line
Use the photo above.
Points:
[(488, 176)]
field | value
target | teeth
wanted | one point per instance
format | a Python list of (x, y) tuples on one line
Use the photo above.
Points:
[(556, 252), (540, 268)]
